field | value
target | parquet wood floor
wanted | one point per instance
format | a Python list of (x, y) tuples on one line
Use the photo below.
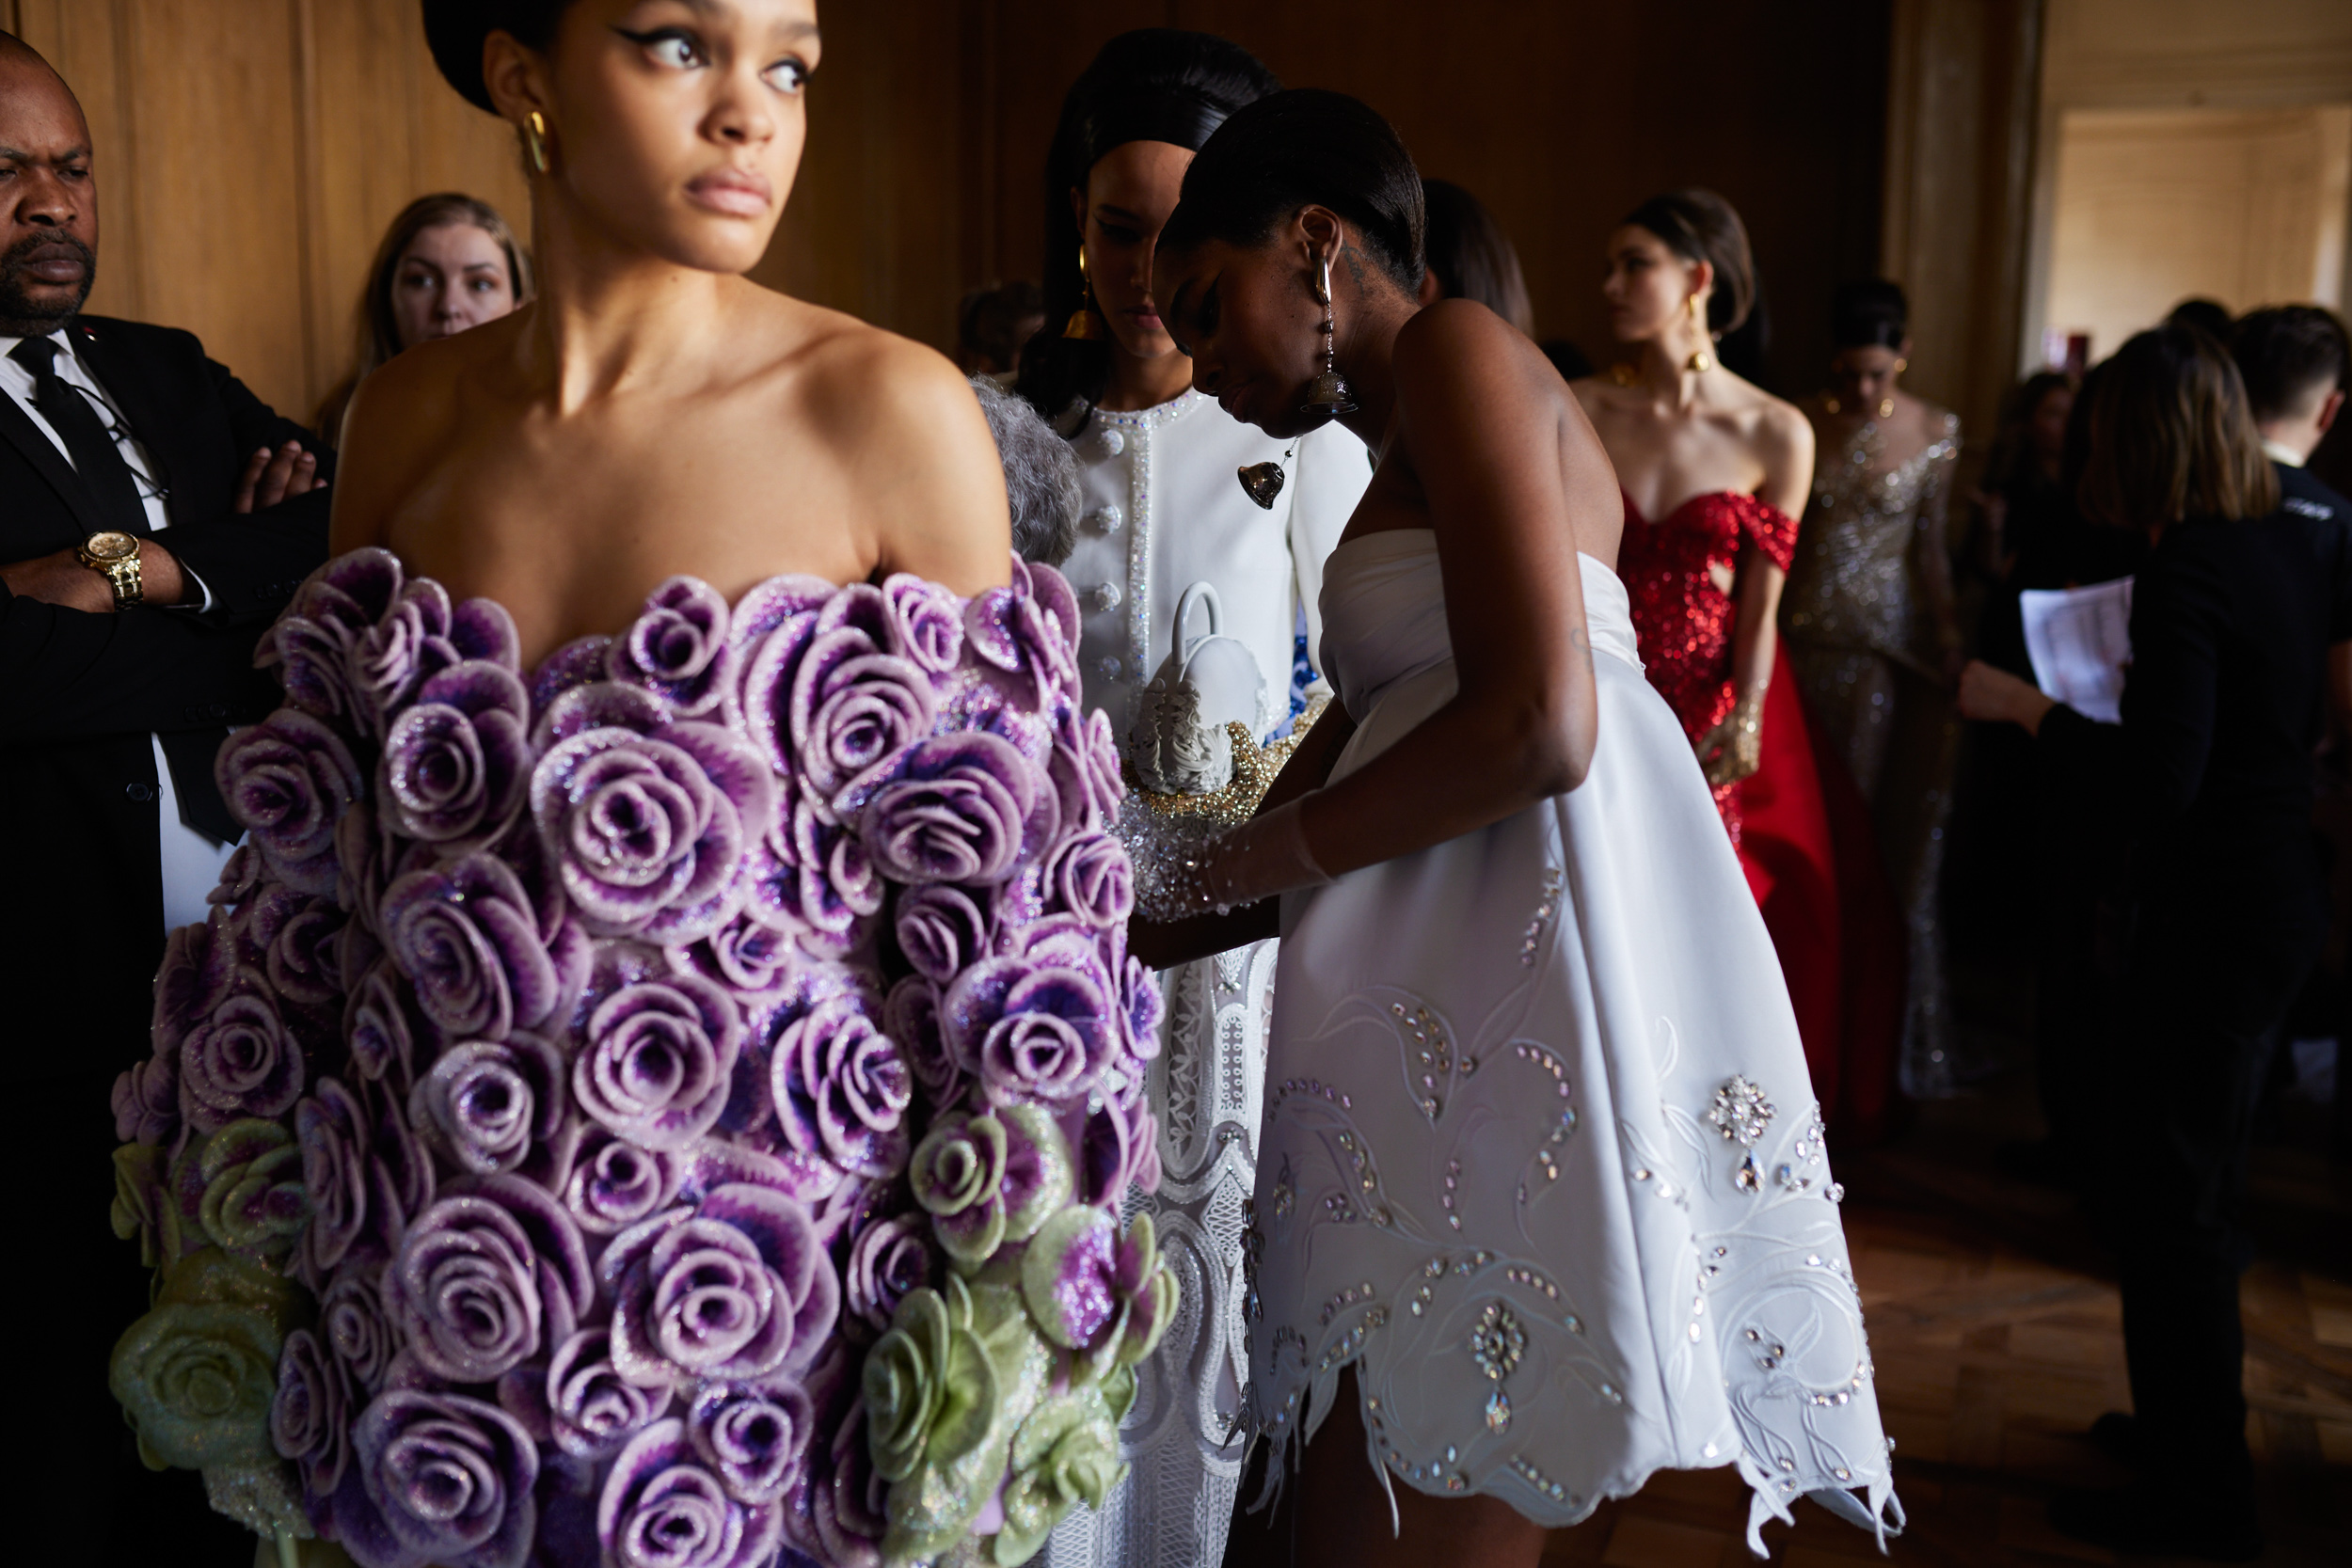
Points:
[(1998, 1340)]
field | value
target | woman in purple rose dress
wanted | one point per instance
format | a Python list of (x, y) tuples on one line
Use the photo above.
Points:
[(657, 1085)]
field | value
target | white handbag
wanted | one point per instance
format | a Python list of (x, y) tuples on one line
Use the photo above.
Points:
[(1178, 741)]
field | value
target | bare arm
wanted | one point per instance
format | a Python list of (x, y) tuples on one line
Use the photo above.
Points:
[(1734, 749), (1490, 445), (921, 450)]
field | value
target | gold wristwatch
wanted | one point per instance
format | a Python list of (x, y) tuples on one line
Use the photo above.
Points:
[(115, 556)]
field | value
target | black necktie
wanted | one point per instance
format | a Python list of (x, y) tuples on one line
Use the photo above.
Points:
[(115, 492), (96, 458)]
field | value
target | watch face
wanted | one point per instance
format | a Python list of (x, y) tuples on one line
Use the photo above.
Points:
[(111, 546)]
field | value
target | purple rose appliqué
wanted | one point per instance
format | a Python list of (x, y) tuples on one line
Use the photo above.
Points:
[(957, 812), (658, 1059), (663, 1507), (482, 1275), (287, 781), (678, 649), (738, 1287), (456, 762)]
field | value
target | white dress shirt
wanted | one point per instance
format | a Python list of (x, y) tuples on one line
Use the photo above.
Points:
[(191, 860)]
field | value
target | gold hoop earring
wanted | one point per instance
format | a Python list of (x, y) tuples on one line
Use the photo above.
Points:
[(1328, 394), (1700, 361), (1080, 326), (535, 141)]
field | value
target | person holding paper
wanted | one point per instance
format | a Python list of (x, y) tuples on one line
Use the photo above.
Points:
[(2209, 771)]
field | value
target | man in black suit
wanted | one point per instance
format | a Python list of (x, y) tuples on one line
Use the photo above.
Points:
[(122, 663)]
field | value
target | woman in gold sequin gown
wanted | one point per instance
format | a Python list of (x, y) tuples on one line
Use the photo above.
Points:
[(1868, 625)]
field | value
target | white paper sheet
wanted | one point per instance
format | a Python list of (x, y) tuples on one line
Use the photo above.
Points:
[(2080, 641)]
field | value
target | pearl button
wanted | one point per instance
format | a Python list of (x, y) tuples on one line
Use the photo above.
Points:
[(1108, 519), (1114, 442), (1103, 595)]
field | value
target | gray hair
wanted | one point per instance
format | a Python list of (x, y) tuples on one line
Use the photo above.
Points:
[(1041, 475)]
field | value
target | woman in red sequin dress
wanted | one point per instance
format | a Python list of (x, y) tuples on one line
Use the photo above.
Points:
[(1716, 472)]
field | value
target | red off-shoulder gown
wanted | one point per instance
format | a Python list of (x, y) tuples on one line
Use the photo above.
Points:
[(1800, 827)]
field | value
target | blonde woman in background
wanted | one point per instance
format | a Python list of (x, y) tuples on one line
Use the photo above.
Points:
[(449, 262)]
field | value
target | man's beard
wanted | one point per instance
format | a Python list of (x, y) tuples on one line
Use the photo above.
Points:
[(18, 307)]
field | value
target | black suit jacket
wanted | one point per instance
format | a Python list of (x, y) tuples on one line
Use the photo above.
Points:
[(81, 890), (2210, 770)]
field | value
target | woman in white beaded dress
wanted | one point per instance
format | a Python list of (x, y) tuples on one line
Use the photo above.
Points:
[(1542, 1201), (1872, 638), (1164, 510)]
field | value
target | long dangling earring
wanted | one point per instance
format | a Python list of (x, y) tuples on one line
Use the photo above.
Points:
[(1700, 361), (1081, 324), (1327, 394), (535, 140)]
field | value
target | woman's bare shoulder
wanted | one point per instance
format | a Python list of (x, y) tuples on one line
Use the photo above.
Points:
[(402, 415)]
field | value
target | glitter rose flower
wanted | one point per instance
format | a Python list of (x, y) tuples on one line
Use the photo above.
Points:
[(940, 930), (331, 1132), (194, 1376), (1090, 878), (249, 1174), (658, 1059), (466, 936), (450, 1481), (677, 648), (931, 1391), (457, 761), (1066, 1452), (840, 1087), (751, 1437), (990, 1179), (309, 1418), (647, 830), (737, 1286), (1105, 1296), (592, 1407), (614, 1184), (482, 1273), (1032, 1032), (287, 781), (956, 811), (486, 1104), (852, 712), (926, 623), (310, 643), (887, 1260), (353, 1324), (241, 1061), (663, 1507)]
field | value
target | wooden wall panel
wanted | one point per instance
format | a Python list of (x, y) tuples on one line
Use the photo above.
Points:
[(258, 147), (250, 154)]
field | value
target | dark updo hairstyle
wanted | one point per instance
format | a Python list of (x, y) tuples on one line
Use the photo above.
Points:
[(2172, 436), (1869, 314), (1300, 148), (1471, 256), (1155, 83), (1700, 225), (453, 30)]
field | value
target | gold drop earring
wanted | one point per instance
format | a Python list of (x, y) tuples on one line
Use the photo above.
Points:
[(1327, 394), (1886, 405), (1081, 323), (1700, 361), (535, 140)]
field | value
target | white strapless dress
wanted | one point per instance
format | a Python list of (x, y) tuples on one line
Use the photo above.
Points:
[(1540, 1156)]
